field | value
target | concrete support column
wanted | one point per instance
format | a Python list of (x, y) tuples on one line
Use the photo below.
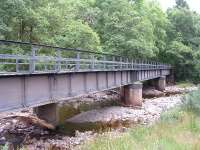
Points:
[(133, 94), (122, 93), (48, 113), (170, 78), (161, 83)]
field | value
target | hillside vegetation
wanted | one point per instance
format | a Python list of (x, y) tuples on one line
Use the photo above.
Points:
[(132, 28)]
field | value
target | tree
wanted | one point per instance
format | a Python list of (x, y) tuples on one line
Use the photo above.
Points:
[(182, 4), (132, 28), (124, 30), (75, 34), (183, 34)]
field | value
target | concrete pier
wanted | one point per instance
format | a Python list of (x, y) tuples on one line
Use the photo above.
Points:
[(161, 83), (122, 93), (48, 113), (130, 94), (133, 94)]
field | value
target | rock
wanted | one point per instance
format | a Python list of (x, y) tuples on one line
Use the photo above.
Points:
[(3, 141), (150, 93), (27, 127), (150, 112)]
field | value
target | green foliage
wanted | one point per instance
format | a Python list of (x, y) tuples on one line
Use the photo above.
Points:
[(181, 4), (184, 84), (192, 102), (183, 34), (178, 130), (129, 29), (132, 28), (75, 34)]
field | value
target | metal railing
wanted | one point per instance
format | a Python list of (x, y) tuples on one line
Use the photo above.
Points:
[(29, 58)]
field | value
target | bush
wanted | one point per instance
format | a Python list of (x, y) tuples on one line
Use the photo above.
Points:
[(191, 101)]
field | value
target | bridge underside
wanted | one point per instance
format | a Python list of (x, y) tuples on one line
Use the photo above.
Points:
[(20, 91)]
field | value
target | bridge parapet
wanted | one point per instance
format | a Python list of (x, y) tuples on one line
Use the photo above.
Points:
[(38, 58)]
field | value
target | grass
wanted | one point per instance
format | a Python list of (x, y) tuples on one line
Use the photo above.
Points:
[(184, 84), (178, 129)]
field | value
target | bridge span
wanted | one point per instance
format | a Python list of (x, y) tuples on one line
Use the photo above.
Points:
[(41, 76)]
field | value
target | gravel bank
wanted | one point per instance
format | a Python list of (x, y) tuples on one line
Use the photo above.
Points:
[(17, 131)]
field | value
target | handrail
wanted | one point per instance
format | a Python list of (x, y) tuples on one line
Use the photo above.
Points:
[(31, 62)]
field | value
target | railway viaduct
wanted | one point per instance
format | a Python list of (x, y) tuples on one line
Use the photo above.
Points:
[(42, 76)]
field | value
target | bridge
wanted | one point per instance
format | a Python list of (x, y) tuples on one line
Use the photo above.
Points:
[(40, 76)]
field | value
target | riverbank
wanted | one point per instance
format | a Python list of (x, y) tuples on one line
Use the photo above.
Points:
[(177, 129), (23, 131)]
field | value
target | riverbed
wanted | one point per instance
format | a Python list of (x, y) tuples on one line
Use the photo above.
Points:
[(23, 129)]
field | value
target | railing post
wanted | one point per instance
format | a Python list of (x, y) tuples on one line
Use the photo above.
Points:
[(45, 67), (132, 64), (141, 64), (17, 64), (113, 62), (135, 64), (77, 61), (66, 65), (121, 63), (155, 65), (58, 60), (93, 63), (104, 63), (147, 64), (127, 63), (32, 59)]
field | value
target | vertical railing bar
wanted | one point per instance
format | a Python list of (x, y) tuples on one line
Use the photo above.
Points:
[(139, 66), (113, 59), (127, 63), (156, 65), (104, 64), (45, 67), (147, 64), (135, 62), (17, 64), (77, 67), (121, 63), (152, 65), (93, 62), (32, 59), (58, 60), (132, 64), (66, 65)]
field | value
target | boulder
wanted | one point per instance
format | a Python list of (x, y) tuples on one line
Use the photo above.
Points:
[(150, 93)]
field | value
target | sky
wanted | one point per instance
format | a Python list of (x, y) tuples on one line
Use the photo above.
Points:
[(194, 4)]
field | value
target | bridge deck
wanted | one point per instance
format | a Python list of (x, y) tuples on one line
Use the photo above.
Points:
[(32, 78)]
